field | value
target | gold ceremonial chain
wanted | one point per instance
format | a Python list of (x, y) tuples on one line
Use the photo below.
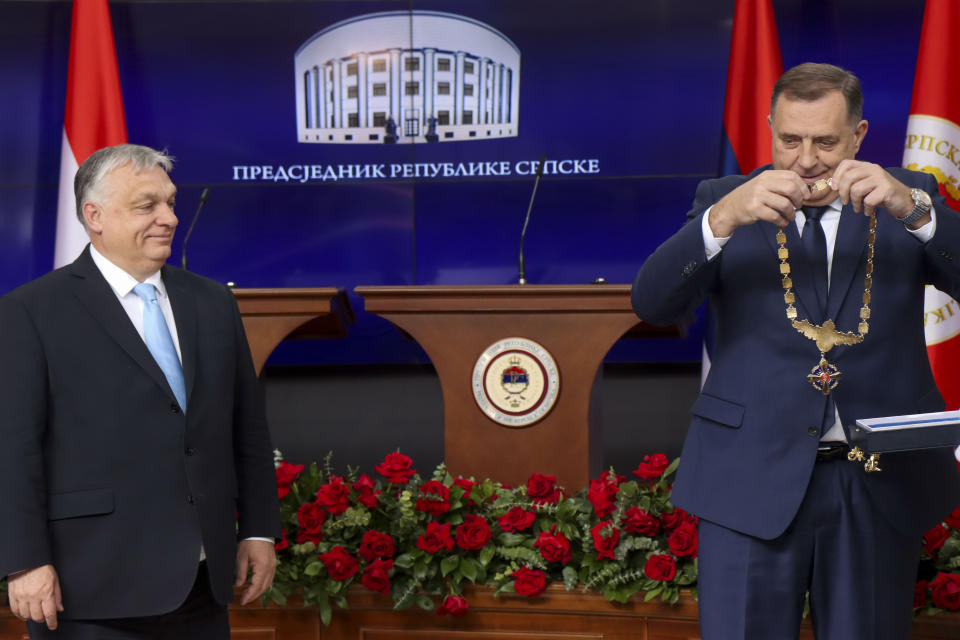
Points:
[(825, 375)]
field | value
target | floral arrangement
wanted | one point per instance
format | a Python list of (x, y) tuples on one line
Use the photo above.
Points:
[(938, 583), (421, 541)]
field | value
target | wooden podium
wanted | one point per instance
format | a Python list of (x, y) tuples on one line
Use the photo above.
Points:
[(272, 315), (576, 324)]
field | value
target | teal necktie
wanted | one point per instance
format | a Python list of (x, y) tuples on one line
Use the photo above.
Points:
[(157, 336)]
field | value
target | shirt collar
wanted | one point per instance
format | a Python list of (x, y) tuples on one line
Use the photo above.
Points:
[(119, 280)]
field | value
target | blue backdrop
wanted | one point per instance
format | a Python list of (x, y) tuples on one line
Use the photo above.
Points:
[(636, 87)]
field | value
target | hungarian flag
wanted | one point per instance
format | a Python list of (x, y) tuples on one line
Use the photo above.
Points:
[(93, 117), (752, 70), (933, 137)]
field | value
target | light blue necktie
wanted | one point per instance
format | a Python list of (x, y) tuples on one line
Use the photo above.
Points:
[(157, 336)]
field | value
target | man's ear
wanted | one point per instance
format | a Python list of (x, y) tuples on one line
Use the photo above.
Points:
[(859, 134), (92, 215)]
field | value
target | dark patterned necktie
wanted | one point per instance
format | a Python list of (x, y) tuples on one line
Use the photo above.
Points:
[(815, 246)]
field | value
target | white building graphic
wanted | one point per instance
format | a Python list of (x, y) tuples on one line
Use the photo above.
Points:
[(407, 76)]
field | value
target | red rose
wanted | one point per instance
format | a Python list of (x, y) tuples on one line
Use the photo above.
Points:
[(516, 520), (660, 567), (376, 545), (474, 533), (543, 488), (601, 495), (529, 582), (683, 540), (934, 539), (286, 474), (652, 467), (396, 468), (554, 547), (605, 539), (366, 492), (638, 521), (435, 538), (454, 606), (334, 496), (434, 498), (920, 594), (953, 520), (340, 564), (376, 576), (945, 591), (284, 543), (674, 519), (310, 519), (466, 485)]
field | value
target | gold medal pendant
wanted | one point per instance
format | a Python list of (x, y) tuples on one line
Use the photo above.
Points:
[(825, 376)]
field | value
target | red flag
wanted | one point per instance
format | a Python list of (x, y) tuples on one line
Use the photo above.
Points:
[(93, 117), (933, 136), (753, 69)]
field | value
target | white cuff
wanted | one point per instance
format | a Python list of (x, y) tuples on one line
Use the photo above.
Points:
[(711, 245), (924, 233)]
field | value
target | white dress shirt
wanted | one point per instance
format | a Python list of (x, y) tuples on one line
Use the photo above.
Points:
[(830, 221)]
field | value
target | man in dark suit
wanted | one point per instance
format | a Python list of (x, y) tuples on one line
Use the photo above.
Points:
[(135, 446), (764, 465)]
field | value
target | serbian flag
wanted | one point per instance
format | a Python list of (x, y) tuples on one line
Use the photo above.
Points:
[(93, 117), (753, 69), (933, 136)]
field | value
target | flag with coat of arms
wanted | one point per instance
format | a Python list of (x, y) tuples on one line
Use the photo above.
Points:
[(933, 145)]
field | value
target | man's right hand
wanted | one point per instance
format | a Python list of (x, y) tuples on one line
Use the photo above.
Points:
[(774, 196), (35, 595)]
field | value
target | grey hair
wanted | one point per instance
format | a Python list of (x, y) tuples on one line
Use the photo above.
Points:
[(811, 81), (94, 169)]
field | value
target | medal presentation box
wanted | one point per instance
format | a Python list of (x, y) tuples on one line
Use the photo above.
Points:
[(906, 433)]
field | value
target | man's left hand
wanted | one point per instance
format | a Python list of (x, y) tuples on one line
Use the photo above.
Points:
[(869, 187), (259, 557)]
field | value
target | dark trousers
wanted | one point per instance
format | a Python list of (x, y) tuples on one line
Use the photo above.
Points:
[(859, 571), (200, 617)]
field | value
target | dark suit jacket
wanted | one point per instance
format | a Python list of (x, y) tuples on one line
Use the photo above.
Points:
[(752, 442), (104, 476)]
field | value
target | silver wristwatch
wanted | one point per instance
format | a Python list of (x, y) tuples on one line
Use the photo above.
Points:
[(921, 206)]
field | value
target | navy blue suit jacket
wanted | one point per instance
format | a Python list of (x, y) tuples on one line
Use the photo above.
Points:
[(752, 443), (104, 477)]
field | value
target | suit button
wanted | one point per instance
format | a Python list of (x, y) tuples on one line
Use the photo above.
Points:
[(174, 407), (190, 498), (813, 431), (190, 451)]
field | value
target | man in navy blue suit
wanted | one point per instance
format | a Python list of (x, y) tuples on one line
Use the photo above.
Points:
[(784, 255), (139, 485)]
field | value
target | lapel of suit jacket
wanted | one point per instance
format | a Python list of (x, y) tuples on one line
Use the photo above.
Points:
[(95, 294), (848, 251), (184, 307), (800, 270)]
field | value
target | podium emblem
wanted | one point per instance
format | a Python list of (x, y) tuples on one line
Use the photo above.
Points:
[(516, 382)]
